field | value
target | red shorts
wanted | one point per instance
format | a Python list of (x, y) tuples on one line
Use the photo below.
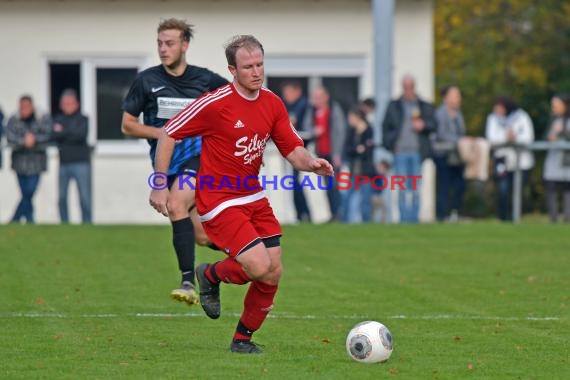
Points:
[(238, 226)]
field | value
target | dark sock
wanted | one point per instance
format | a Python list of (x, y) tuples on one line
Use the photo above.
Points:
[(242, 334), (183, 239)]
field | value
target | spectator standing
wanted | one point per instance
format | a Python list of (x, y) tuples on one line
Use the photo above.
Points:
[(406, 128), (358, 153), (328, 122), (297, 103), (509, 124), (448, 163), (70, 132), (27, 134), (557, 163)]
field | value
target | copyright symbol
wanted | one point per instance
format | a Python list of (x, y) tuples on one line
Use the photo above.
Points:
[(158, 181)]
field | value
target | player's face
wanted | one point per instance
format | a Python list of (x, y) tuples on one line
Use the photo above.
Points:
[(249, 71), (171, 47)]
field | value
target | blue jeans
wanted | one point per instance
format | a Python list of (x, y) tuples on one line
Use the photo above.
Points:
[(364, 198), (81, 173), (28, 186), (505, 191), (406, 164), (449, 180)]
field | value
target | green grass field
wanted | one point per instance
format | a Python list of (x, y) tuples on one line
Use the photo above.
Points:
[(474, 301)]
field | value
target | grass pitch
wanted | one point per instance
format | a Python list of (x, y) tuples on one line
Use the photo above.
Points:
[(477, 301)]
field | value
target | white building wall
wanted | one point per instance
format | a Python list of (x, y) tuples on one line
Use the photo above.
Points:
[(32, 32)]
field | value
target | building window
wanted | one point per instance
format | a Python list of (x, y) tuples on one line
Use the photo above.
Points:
[(344, 90), (63, 76), (342, 76), (112, 87), (101, 84)]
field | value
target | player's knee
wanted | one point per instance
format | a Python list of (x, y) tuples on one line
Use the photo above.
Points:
[(176, 207), (260, 270), (274, 276)]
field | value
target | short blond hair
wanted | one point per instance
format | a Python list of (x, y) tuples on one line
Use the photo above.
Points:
[(186, 30), (245, 40)]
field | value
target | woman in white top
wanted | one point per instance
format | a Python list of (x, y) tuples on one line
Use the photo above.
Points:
[(557, 163), (509, 124)]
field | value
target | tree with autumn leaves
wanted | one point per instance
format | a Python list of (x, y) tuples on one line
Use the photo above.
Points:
[(514, 47)]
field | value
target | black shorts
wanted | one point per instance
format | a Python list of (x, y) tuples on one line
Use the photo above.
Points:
[(189, 168)]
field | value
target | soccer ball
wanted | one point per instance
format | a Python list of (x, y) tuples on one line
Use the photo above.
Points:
[(369, 342)]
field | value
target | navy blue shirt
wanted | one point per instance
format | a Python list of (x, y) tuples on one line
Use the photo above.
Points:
[(160, 96)]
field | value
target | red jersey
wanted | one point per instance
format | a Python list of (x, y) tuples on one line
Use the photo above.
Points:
[(234, 131), (322, 121)]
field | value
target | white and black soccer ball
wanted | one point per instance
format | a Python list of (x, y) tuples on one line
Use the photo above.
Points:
[(369, 342)]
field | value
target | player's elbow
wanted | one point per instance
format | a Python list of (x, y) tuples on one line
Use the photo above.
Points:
[(127, 124), (165, 138), (127, 129)]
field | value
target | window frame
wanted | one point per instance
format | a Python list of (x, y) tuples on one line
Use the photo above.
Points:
[(88, 66), (314, 67)]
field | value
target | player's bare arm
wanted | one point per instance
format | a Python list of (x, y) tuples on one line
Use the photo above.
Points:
[(159, 198), (131, 126), (303, 160)]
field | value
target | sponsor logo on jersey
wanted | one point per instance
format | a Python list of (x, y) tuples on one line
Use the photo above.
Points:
[(168, 107), (156, 89), (250, 149), (239, 124)]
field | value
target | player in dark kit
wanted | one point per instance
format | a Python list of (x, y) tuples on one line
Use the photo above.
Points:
[(236, 122), (160, 92)]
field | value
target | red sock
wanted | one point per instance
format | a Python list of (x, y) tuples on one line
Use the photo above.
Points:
[(258, 303), (228, 271)]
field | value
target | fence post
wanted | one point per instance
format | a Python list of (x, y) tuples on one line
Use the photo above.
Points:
[(517, 187)]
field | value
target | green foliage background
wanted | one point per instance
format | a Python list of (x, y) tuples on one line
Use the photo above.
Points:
[(514, 47), (504, 47)]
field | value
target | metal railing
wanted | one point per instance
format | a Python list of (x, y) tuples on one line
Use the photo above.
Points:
[(517, 175), (517, 179)]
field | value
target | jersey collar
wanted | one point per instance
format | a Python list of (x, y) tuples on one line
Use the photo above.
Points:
[(250, 98)]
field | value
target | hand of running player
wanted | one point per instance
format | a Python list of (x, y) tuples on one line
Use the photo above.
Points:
[(158, 200), (321, 166)]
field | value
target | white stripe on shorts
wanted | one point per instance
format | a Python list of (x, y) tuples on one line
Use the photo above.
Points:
[(230, 203)]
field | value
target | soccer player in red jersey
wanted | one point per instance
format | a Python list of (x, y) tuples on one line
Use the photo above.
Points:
[(235, 123)]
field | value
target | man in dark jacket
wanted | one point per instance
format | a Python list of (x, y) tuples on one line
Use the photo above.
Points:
[(407, 124), (70, 132), (297, 105)]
